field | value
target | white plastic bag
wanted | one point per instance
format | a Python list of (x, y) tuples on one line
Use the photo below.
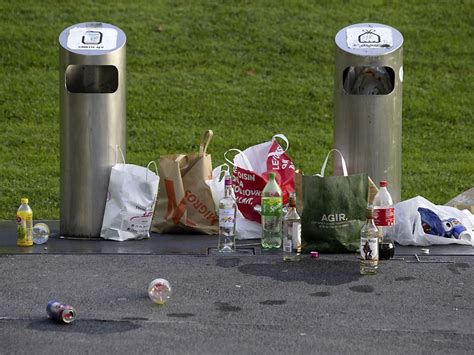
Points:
[(216, 184), (130, 202), (408, 229), (244, 229)]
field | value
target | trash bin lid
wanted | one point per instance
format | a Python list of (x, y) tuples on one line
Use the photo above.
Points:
[(369, 39), (92, 38)]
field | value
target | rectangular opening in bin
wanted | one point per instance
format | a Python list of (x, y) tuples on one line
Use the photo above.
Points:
[(370, 80), (92, 79)]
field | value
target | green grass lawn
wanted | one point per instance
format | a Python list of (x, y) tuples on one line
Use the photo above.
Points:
[(245, 69)]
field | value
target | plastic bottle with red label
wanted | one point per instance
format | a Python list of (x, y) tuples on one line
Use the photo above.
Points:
[(384, 216)]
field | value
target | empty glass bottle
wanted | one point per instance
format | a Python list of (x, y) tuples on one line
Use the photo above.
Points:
[(292, 231), (369, 246), (227, 215)]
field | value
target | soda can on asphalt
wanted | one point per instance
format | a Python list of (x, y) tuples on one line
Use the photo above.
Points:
[(60, 312)]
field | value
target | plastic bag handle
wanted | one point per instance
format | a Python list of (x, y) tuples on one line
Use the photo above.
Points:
[(148, 168), (118, 149), (283, 137), (205, 140), (225, 170), (247, 166), (344, 167)]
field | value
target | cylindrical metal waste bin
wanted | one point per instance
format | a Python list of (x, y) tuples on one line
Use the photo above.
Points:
[(92, 70), (368, 101)]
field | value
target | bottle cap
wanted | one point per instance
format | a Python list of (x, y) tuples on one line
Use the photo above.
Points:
[(271, 175), (383, 183), (227, 180), (24, 200), (292, 199), (314, 254), (369, 213)]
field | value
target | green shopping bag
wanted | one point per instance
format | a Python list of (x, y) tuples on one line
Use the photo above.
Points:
[(334, 210)]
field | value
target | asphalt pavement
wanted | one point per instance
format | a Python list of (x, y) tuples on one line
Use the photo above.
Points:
[(248, 303)]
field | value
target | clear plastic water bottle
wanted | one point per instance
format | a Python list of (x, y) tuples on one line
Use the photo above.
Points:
[(272, 212), (384, 216), (40, 233), (24, 221), (159, 291)]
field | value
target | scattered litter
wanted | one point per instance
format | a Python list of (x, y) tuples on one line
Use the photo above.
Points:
[(314, 254), (60, 312), (159, 291), (425, 251), (238, 286), (40, 233)]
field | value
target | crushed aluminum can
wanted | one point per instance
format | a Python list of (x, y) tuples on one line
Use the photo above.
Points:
[(60, 312)]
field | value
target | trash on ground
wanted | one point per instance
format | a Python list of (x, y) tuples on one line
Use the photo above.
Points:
[(60, 312), (40, 233), (159, 291)]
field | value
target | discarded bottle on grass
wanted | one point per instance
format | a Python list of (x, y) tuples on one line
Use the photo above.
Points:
[(24, 221), (60, 312), (40, 233), (159, 291), (227, 215), (272, 210), (384, 216), (292, 232), (369, 248)]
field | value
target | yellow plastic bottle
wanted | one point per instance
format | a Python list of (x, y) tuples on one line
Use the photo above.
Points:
[(24, 221)]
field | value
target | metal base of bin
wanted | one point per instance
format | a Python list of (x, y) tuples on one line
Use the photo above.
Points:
[(168, 244)]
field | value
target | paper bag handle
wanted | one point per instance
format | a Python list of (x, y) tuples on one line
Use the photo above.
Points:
[(148, 168), (344, 167), (182, 160), (205, 140), (118, 149)]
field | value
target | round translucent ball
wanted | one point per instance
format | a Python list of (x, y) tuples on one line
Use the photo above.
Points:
[(40, 233), (159, 291)]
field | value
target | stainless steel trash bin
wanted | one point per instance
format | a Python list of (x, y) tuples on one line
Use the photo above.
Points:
[(92, 73), (368, 101)]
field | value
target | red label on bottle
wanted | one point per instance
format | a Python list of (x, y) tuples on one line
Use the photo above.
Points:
[(384, 216)]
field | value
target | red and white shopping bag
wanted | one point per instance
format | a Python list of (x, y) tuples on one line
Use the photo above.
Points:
[(250, 174)]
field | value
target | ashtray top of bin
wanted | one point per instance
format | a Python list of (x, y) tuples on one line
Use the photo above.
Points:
[(369, 39), (92, 38)]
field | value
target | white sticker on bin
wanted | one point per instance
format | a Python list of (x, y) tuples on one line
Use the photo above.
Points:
[(369, 37), (92, 38)]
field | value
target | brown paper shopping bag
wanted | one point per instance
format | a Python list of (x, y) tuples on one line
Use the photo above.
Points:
[(185, 203)]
